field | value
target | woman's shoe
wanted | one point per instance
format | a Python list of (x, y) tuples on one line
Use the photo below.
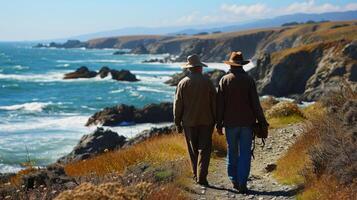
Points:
[(203, 183), (235, 185), (243, 189)]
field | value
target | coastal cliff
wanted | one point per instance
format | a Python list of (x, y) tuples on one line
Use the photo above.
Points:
[(301, 61), (307, 72), (216, 47)]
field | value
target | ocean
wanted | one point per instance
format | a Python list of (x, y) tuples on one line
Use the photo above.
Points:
[(42, 116)]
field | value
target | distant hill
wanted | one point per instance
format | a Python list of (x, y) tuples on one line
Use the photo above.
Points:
[(278, 21), (195, 29)]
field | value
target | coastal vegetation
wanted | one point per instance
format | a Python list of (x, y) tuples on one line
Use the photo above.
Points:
[(323, 158)]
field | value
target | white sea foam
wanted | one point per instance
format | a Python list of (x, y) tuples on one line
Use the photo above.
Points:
[(148, 89), (33, 106), (153, 78), (90, 61), (9, 168), (64, 123), (49, 77), (52, 76), (155, 72), (63, 65), (20, 67), (220, 66), (116, 91), (131, 131)]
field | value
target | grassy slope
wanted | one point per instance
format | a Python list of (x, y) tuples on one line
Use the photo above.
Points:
[(310, 33)]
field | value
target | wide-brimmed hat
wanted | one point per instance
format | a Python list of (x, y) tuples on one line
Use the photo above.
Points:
[(194, 61), (236, 59)]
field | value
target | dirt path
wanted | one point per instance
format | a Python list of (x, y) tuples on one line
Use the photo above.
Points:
[(261, 183)]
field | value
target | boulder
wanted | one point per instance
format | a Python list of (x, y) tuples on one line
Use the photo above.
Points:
[(176, 78), (154, 113), (82, 72), (351, 50), (103, 72), (122, 114), (123, 75), (112, 116), (48, 177), (215, 76), (6, 177), (119, 53), (93, 144), (146, 134), (168, 59)]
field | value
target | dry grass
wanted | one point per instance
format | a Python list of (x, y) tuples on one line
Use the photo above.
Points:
[(291, 166), (284, 109), (169, 191), (17, 179), (107, 191), (268, 102), (283, 114), (324, 158), (327, 188), (154, 150)]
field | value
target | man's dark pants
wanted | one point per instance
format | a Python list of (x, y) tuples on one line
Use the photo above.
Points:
[(199, 143)]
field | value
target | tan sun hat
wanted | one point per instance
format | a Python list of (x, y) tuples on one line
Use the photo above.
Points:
[(194, 61), (236, 59)]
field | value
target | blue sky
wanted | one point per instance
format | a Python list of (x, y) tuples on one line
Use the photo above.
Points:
[(47, 19)]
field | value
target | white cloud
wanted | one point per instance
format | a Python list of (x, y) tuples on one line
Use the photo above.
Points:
[(247, 10), (240, 12), (188, 19), (309, 7)]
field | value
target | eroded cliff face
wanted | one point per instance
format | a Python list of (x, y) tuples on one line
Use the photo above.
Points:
[(307, 72)]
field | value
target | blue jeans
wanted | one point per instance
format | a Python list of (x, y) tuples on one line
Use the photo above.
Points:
[(239, 140)]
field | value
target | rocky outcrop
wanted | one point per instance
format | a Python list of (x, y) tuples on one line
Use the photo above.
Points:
[(306, 72), (120, 52), (124, 114), (123, 75), (167, 59), (101, 141), (93, 144), (146, 134), (53, 176), (215, 76), (176, 78), (69, 44), (82, 72)]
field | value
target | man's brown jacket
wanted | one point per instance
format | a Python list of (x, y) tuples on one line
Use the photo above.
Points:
[(195, 101), (237, 101)]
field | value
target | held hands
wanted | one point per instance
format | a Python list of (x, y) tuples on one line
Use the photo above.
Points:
[(179, 129)]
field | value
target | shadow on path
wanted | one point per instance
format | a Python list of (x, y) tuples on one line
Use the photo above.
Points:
[(284, 193)]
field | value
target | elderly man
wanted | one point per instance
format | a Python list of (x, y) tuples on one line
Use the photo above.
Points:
[(238, 108), (195, 112)]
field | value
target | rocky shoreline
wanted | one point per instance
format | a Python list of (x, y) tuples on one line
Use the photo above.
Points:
[(53, 176), (290, 61), (122, 115)]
